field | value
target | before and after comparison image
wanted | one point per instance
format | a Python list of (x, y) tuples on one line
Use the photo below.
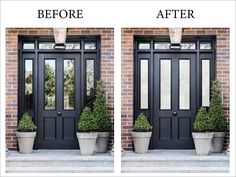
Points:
[(122, 88)]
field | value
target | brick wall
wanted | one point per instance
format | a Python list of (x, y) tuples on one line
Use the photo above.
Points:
[(127, 61), (107, 71)]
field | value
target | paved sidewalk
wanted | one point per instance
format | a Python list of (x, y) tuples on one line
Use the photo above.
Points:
[(58, 161), (173, 161)]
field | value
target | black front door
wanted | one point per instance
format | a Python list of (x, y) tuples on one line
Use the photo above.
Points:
[(171, 84), (58, 100), (56, 84), (174, 100)]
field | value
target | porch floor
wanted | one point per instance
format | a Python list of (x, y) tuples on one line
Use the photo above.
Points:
[(174, 161), (58, 161)]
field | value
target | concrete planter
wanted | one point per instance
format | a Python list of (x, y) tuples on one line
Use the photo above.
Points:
[(25, 141), (87, 142), (217, 142), (102, 142), (202, 141), (141, 141)]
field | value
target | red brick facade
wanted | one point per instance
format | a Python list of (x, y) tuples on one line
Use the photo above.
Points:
[(107, 70), (12, 58), (127, 77)]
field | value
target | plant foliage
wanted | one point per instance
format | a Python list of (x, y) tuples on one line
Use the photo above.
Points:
[(141, 124), (26, 124), (203, 122), (216, 111), (87, 122), (69, 83), (49, 85), (100, 109)]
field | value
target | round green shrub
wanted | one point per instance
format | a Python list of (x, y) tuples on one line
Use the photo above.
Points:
[(87, 122), (216, 110), (100, 112), (26, 124), (141, 124), (203, 122)]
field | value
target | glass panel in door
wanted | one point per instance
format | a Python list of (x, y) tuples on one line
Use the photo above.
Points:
[(144, 84), (165, 84), (89, 78), (69, 84), (28, 83), (205, 82), (49, 84), (184, 84)]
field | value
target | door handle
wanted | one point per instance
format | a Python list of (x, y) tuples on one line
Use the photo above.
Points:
[(59, 113), (174, 113)]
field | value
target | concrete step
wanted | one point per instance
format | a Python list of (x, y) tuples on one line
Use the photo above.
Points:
[(176, 164), (160, 161), (175, 170), (60, 170), (55, 163), (50, 161)]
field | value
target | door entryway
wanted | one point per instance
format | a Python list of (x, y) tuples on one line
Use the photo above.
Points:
[(170, 86), (55, 85), (174, 99), (58, 103)]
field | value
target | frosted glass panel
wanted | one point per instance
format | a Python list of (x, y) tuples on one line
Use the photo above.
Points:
[(165, 75), (144, 45), (28, 46), (90, 45), (73, 46), (46, 45), (184, 84), (144, 84), (188, 45), (161, 45), (205, 82), (205, 45)]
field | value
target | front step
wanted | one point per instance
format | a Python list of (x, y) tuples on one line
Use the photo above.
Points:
[(56, 161), (172, 161), (60, 170), (175, 170)]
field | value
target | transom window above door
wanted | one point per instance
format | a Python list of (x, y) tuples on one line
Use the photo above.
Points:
[(88, 45), (157, 45)]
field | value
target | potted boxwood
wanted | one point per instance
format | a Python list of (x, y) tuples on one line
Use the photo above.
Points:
[(202, 136), (25, 134), (218, 117), (142, 132), (87, 134), (103, 119)]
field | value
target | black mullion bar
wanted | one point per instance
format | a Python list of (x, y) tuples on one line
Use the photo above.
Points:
[(35, 88), (150, 88), (83, 79)]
